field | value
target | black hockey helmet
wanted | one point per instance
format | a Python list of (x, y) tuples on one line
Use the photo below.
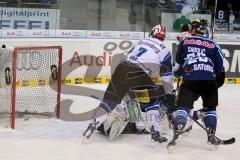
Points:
[(185, 28)]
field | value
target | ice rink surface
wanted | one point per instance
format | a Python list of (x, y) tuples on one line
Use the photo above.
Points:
[(52, 139)]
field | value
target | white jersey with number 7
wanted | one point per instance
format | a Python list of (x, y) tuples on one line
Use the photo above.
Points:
[(150, 54)]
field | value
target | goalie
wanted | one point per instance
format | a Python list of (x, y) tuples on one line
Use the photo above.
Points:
[(139, 114)]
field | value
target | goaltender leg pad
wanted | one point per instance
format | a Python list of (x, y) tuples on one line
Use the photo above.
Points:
[(134, 111), (117, 128), (116, 122)]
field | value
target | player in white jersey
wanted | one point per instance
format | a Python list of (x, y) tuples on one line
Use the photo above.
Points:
[(147, 58)]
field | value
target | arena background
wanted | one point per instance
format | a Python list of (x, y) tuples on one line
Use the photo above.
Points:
[(95, 34)]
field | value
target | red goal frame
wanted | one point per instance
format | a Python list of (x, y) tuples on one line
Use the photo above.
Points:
[(59, 80)]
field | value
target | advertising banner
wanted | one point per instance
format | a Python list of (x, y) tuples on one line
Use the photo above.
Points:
[(29, 18), (232, 60), (98, 57)]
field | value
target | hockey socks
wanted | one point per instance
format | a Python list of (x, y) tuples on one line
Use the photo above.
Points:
[(153, 121), (210, 120), (181, 118)]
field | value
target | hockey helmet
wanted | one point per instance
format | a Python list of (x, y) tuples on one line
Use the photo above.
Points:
[(158, 32), (199, 26), (185, 28)]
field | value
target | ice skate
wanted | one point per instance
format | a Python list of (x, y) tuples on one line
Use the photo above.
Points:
[(90, 130), (155, 136)]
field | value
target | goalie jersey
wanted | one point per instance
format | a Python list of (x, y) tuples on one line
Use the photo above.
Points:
[(199, 59)]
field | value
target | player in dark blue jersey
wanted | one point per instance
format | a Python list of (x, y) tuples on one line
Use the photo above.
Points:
[(200, 60)]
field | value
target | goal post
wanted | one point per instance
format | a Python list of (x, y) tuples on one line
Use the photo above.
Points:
[(31, 83)]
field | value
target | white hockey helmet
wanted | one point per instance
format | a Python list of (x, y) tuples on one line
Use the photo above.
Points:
[(158, 32)]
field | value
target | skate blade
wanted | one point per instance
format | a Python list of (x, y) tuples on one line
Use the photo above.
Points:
[(154, 143), (186, 134), (212, 147), (85, 137), (171, 148), (179, 139)]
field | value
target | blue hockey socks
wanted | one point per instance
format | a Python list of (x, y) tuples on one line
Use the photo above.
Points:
[(181, 117), (210, 120)]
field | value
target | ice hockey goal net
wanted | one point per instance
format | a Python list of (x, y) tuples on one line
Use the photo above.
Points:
[(30, 82)]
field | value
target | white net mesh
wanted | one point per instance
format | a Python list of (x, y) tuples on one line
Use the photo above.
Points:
[(36, 81)]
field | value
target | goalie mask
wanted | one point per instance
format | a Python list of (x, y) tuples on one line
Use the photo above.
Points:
[(158, 32)]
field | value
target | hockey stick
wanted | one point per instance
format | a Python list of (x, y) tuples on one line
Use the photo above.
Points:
[(227, 141), (178, 83), (173, 142), (230, 140)]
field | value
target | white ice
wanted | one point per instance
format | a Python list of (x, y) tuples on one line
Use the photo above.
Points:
[(52, 139)]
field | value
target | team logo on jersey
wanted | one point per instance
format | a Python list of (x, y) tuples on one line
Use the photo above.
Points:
[(199, 42)]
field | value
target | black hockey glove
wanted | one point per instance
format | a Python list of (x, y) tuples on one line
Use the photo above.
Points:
[(220, 79)]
